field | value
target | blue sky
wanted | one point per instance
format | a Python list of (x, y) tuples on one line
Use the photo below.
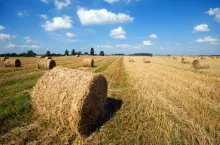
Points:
[(180, 27)]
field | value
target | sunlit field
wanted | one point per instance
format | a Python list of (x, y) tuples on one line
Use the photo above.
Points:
[(161, 102)]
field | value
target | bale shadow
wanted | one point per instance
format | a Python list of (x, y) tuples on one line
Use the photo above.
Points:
[(111, 107)]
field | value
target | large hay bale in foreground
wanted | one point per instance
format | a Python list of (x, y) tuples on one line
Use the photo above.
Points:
[(197, 65), (46, 64), (12, 63), (88, 63), (4, 58), (71, 98)]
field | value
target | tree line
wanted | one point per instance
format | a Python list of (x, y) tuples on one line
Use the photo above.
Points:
[(30, 53)]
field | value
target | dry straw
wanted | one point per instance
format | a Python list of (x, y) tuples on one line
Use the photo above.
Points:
[(71, 99), (4, 58), (46, 64), (183, 61), (197, 65), (39, 56), (48, 57), (131, 60), (88, 63), (12, 63), (146, 61)]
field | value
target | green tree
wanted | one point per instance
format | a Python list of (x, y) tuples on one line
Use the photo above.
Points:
[(66, 53), (48, 53), (86, 53), (92, 51), (30, 53), (102, 53), (73, 52)]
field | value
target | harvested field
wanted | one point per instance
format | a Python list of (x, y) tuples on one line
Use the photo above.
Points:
[(161, 102)]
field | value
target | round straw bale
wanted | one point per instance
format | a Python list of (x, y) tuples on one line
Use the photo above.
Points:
[(197, 65), (88, 63), (48, 57), (46, 64), (4, 58), (131, 60), (146, 61), (71, 98), (12, 63)]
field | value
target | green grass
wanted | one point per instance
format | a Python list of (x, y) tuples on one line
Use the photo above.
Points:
[(15, 111)]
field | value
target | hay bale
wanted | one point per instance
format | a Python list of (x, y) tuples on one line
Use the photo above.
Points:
[(12, 63), (131, 60), (48, 57), (174, 57), (183, 61), (4, 58), (46, 64), (88, 63), (71, 99), (146, 61), (197, 65), (202, 57)]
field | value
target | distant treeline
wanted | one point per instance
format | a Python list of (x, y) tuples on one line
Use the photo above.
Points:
[(142, 54)]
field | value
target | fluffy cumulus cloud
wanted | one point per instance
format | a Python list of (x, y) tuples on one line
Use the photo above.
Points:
[(4, 37), (28, 40), (43, 16), (104, 46), (118, 33), (207, 39), (153, 36), (30, 46), (111, 1), (61, 4), (123, 46), (11, 46), (147, 43), (70, 35), (201, 28), (58, 23), (214, 12), (2, 27), (44, 1), (101, 16)]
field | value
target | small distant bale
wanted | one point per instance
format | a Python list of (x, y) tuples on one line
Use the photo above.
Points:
[(12, 63), (174, 57), (48, 57), (39, 56), (196, 64), (183, 61), (46, 64), (131, 60), (4, 58), (202, 57), (88, 62), (146, 61), (71, 99)]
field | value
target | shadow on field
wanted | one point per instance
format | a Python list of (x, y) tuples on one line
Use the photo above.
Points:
[(111, 107)]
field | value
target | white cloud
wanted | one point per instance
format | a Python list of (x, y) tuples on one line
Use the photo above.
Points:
[(29, 40), (111, 1), (214, 12), (201, 28), (44, 16), (178, 44), (207, 39), (118, 33), (153, 36), (123, 46), (62, 4), (104, 46), (4, 37), (127, 1), (162, 48), (58, 23), (147, 43), (20, 14), (11, 46), (30, 46), (101, 16), (2, 27), (70, 35), (44, 1)]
